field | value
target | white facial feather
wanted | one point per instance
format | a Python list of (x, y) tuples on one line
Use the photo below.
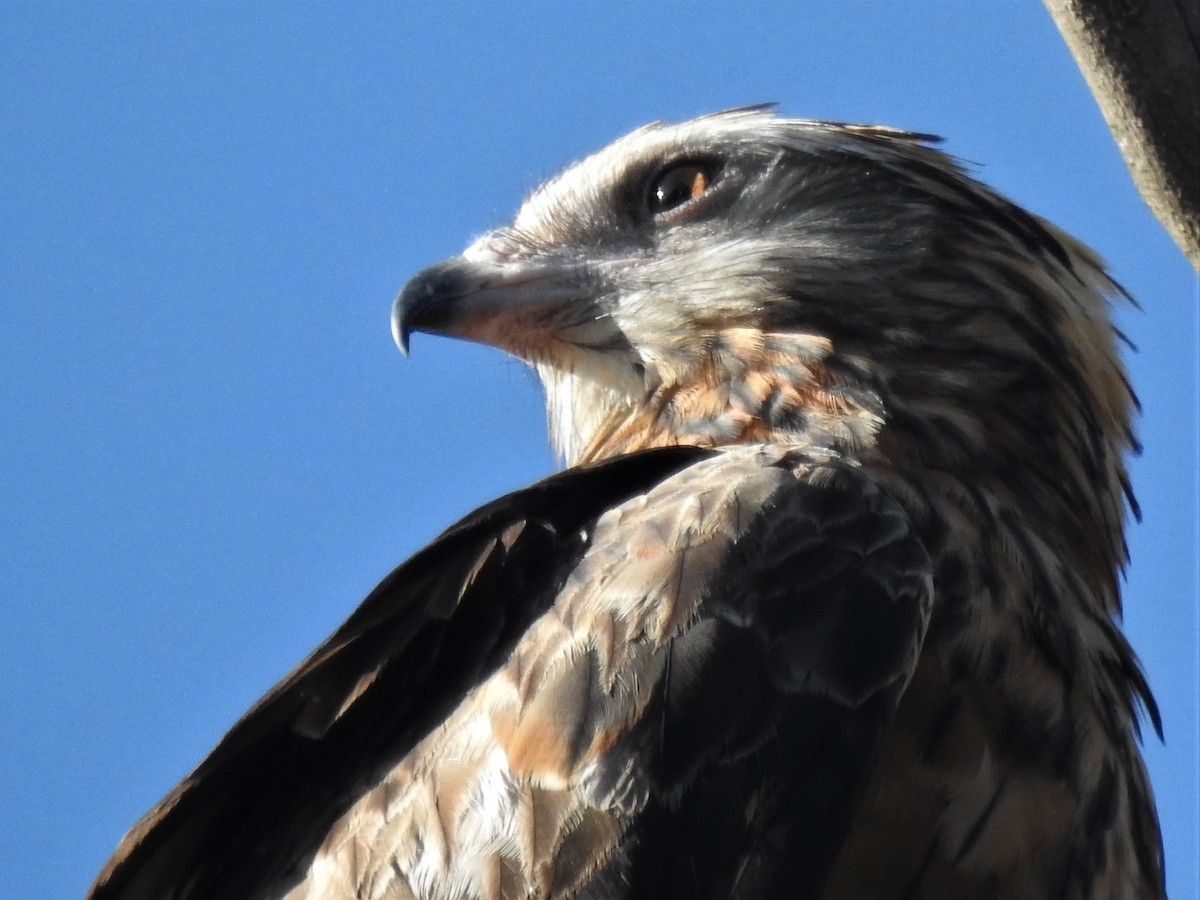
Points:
[(583, 391)]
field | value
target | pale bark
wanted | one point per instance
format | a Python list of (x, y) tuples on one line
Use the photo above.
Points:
[(1141, 59)]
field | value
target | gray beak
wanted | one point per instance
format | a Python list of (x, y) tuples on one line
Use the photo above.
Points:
[(503, 304)]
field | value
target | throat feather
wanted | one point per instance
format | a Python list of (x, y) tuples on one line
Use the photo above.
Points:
[(764, 396)]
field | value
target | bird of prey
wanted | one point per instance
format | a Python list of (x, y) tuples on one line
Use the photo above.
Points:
[(822, 605)]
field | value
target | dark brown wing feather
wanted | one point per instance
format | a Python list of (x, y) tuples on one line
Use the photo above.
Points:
[(245, 823), (775, 701), (694, 716)]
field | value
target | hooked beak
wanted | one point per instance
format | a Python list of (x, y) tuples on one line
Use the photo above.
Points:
[(515, 306)]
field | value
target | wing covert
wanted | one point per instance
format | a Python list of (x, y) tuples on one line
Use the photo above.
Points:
[(693, 716), (774, 700), (246, 820)]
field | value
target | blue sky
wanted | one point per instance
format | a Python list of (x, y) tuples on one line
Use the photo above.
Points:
[(211, 450)]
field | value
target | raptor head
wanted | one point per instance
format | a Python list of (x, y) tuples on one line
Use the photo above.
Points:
[(742, 277)]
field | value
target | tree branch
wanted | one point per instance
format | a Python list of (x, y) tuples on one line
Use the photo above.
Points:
[(1141, 58)]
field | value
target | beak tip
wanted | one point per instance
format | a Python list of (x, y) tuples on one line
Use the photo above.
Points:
[(401, 330)]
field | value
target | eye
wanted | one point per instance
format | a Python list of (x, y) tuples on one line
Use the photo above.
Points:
[(677, 185)]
